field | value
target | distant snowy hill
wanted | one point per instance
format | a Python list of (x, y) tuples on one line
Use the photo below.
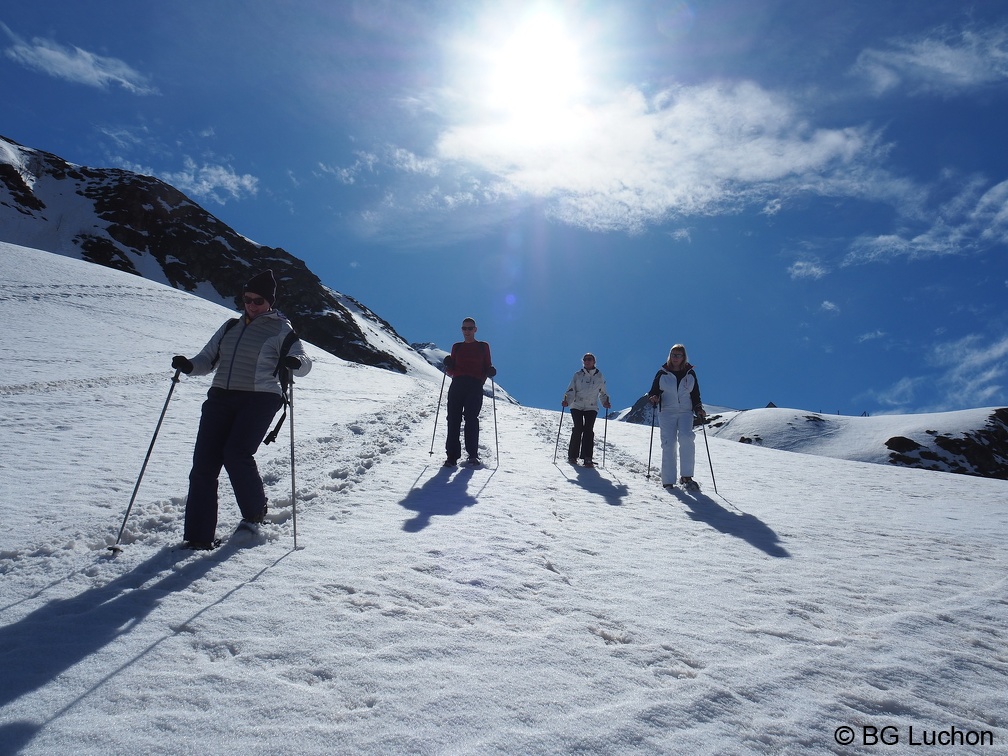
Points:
[(970, 442), (141, 225)]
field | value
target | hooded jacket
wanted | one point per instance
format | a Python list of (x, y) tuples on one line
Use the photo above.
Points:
[(679, 392), (246, 354), (586, 388)]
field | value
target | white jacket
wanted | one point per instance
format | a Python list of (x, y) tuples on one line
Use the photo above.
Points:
[(677, 396), (586, 388)]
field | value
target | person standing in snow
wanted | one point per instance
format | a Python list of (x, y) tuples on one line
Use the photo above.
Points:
[(676, 393), (250, 355), (586, 389), (469, 366)]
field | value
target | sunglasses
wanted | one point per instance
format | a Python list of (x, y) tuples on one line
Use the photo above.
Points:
[(468, 328), (257, 301)]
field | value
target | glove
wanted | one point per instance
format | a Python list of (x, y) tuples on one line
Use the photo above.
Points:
[(181, 363), (449, 362), (291, 362), (607, 405), (491, 371), (563, 403)]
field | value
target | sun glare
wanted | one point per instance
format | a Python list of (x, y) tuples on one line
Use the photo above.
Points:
[(537, 69), (528, 83)]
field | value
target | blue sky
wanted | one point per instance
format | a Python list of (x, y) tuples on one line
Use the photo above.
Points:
[(812, 196)]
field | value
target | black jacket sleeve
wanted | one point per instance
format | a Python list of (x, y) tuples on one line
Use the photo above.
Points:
[(695, 393), (655, 390)]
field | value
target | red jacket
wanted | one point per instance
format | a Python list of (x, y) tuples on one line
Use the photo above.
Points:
[(470, 359)]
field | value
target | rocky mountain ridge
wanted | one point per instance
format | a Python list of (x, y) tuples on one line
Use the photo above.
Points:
[(142, 225)]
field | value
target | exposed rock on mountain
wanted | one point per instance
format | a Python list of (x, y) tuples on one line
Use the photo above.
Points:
[(144, 226)]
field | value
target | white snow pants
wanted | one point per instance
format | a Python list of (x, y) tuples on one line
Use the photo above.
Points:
[(676, 430)]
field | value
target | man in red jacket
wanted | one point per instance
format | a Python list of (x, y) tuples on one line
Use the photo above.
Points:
[(469, 366)]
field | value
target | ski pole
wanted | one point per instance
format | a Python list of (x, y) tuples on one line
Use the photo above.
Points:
[(290, 401), (493, 398), (175, 379), (605, 431), (556, 451), (709, 462), (437, 412), (651, 442)]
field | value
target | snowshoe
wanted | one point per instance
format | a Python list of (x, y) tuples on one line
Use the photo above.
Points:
[(201, 545), (689, 484), (249, 526)]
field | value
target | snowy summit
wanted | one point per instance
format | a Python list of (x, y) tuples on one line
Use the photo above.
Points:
[(797, 604)]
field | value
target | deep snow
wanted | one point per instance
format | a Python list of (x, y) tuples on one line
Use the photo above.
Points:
[(522, 608)]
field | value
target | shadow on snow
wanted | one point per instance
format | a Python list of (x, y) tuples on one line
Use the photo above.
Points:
[(444, 495), (740, 524), (63, 632), (591, 480)]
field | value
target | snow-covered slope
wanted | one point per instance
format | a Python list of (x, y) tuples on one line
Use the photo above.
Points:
[(973, 442), (522, 608)]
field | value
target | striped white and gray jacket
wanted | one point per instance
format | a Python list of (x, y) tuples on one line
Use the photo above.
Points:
[(246, 355)]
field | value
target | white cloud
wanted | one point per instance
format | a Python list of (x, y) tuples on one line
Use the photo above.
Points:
[(829, 307), (872, 336), (76, 65), (365, 162), (807, 269), (943, 62), (900, 395), (975, 370), (215, 182), (632, 159), (975, 220)]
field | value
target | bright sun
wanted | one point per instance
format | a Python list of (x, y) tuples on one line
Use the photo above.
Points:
[(536, 71), (525, 82)]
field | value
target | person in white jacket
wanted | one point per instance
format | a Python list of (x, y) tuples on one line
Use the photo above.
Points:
[(587, 388), (676, 392)]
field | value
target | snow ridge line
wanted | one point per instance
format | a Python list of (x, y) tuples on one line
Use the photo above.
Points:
[(98, 382)]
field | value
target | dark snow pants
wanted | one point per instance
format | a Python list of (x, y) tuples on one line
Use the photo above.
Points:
[(582, 441), (231, 428), (465, 398)]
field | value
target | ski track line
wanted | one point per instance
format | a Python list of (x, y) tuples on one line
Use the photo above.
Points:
[(350, 452)]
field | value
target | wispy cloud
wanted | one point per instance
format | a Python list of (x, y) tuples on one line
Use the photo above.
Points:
[(975, 220), (944, 62), (830, 307), (76, 65), (976, 369), (364, 163), (807, 269), (212, 181), (972, 371)]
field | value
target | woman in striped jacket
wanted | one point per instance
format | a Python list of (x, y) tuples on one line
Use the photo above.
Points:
[(249, 356)]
